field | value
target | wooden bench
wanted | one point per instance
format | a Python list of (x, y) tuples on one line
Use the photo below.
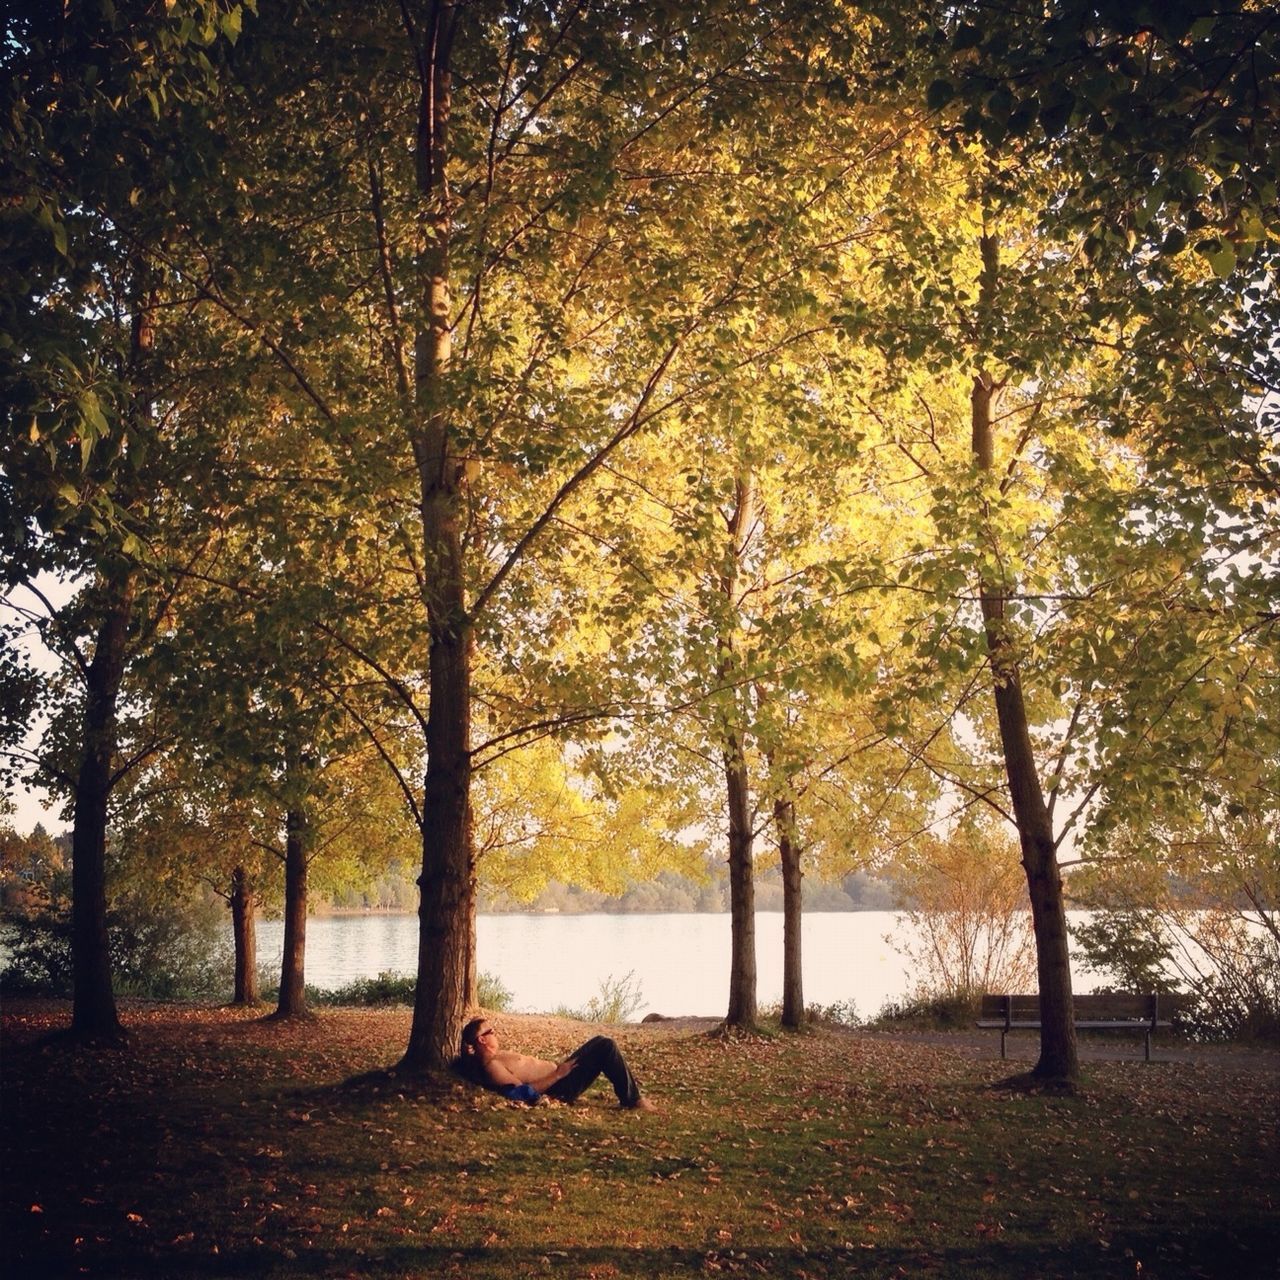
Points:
[(1116, 1011)]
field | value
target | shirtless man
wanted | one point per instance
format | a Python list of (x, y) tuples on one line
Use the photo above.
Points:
[(527, 1079)]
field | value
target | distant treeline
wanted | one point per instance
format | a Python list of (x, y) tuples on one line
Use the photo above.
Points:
[(669, 892)]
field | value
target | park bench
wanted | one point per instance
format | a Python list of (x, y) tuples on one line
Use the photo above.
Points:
[(1113, 1011)]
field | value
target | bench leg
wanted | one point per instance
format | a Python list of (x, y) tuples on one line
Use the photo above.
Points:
[(1002, 1036), (1146, 1044)]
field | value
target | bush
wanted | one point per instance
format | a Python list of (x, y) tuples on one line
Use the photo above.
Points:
[(842, 1013), (165, 951), (1230, 971), (391, 989), (39, 955), (616, 1001), (170, 951), (386, 989), (491, 994), (1129, 947), (966, 901), (934, 1013)]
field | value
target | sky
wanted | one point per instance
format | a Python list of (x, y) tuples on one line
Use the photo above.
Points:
[(30, 803)]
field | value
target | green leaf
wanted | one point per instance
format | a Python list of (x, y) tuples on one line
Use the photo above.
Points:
[(940, 93), (1055, 116), (1224, 261), (1221, 257), (91, 413)]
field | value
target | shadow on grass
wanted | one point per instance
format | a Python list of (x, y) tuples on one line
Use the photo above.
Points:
[(383, 1083), (1211, 1254)]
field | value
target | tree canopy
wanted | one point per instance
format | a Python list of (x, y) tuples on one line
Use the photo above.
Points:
[(576, 436)]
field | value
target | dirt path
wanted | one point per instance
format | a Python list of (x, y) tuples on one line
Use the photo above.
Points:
[(1099, 1047), (1022, 1047)]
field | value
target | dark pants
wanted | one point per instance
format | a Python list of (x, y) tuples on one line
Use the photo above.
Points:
[(599, 1056)]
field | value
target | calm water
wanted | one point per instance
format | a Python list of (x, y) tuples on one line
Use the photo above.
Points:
[(680, 962)]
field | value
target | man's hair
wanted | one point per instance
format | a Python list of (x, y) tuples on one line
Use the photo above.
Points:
[(468, 1065)]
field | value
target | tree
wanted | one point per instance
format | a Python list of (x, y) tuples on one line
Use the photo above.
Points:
[(97, 447), (1156, 121), (535, 311), (177, 826)]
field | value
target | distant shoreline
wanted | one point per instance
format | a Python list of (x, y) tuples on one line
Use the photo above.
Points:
[(325, 912)]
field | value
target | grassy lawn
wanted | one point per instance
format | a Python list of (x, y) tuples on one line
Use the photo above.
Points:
[(216, 1144)]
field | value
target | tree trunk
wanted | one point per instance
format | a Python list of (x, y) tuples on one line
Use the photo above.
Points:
[(245, 937), (447, 906), (792, 915), (742, 891), (1058, 1060), (293, 996), (472, 993), (742, 894), (94, 1007), (447, 903)]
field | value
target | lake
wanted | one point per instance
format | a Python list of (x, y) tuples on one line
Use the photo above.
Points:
[(680, 962)]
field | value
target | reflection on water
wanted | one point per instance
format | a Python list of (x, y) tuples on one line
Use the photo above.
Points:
[(680, 962)]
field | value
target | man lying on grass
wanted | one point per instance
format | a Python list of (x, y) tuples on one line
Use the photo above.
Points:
[(522, 1078)]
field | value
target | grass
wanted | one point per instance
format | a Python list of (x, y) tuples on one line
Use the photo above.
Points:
[(216, 1144)]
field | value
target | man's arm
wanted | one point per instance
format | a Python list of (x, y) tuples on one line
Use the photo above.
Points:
[(558, 1072)]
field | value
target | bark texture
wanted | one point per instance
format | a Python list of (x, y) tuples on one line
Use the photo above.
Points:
[(94, 1007), (742, 891), (244, 933), (447, 905), (742, 1010), (1058, 1059), (293, 994), (792, 915)]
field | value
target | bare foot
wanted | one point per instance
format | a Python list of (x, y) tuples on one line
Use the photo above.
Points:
[(642, 1104)]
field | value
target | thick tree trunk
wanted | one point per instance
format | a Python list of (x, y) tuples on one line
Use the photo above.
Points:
[(742, 891), (293, 995), (1058, 1060), (244, 933), (447, 906), (94, 1007), (471, 994), (792, 915), (447, 903)]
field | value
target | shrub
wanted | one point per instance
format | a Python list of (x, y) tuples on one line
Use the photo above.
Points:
[(391, 989), (938, 1012), (841, 1013), (39, 955), (169, 951), (966, 901), (616, 1001), (159, 951), (492, 994), (1130, 947), (1229, 968), (387, 988)]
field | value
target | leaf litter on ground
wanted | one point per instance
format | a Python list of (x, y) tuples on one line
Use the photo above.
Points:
[(217, 1143)]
